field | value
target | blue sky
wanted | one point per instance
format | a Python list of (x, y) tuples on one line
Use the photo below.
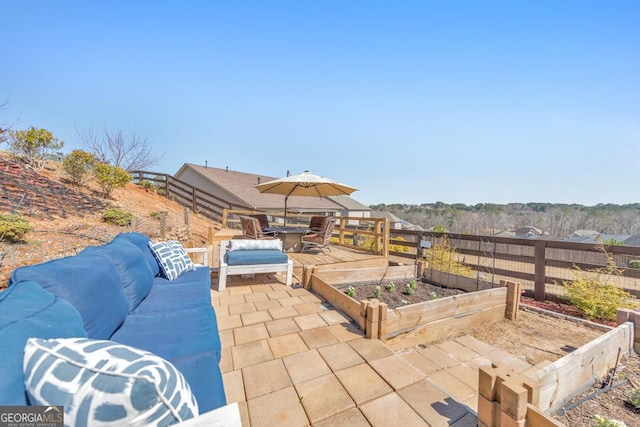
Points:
[(485, 101)]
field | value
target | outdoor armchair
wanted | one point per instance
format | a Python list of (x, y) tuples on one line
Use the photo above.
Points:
[(262, 219), (251, 228), (320, 239)]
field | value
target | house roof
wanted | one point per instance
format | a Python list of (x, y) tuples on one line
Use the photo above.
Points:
[(241, 185), (349, 203)]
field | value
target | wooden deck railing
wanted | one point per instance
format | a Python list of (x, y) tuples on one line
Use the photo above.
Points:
[(365, 234)]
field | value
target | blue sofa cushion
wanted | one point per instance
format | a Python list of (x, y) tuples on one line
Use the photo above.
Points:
[(105, 383), (209, 388), (27, 310), (132, 267), (172, 257), (257, 256), (142, 242), (190, 290), (89, 283), (180, 336)]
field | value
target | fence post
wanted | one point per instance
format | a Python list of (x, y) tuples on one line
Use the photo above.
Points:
[(540, 273), (194, 199)]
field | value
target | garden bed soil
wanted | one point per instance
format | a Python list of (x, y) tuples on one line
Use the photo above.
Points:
[(399, 297)]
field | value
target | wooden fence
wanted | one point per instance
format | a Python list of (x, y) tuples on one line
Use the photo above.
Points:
[(538, 264), (197, 200)]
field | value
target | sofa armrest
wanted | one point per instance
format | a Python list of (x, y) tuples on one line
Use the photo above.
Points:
[(225, 416), (203, 251)]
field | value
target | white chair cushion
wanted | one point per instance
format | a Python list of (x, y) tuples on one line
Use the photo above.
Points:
[(248, 244)]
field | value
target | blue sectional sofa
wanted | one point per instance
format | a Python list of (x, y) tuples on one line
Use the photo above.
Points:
[(114, 292)]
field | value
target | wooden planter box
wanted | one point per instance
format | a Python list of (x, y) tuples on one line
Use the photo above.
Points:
[(416, 323)]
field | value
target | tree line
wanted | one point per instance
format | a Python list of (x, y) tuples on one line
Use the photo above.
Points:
[(556, 219)]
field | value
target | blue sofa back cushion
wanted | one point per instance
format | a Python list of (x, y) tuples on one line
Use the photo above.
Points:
[(256, 256), (27, 310), (132, 267), (88, 282), (142, 242)]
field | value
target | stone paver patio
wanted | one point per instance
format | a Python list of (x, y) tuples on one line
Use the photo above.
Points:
[(290, 359)]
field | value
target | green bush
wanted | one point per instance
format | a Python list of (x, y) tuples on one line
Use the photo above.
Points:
[(149, 186), (110, 177), (78, 165), (604, 422), (13, 227), (33, 146), (634, 398), (117, 217), (592, 292), (634, 263)]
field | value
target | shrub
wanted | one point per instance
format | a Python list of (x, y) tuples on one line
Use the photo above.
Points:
[(33, 146), (604, 422), (634, 398), (117, 217), (592, 292), (78, 165), (110, 177), (443, 257), (13, 227), (149, 186), (391, 287), (634, 263), (351, 291)]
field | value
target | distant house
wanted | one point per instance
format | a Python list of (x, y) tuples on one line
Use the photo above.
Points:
[(351, 207), (237, 189), (527, 232), (599, 238)]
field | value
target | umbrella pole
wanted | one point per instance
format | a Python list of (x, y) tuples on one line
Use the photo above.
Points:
[(285, 209)]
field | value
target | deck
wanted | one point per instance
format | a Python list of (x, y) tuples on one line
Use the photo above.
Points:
[(338, 258)]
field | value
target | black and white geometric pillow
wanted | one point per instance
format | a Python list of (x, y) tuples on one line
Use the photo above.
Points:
[(106, 383), (172, 257)]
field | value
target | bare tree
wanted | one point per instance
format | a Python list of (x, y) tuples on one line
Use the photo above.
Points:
[(126, 152), (4, 127)]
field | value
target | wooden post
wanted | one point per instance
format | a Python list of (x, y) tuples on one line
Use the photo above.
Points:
[(503, 396), (513, 404), (513, 299), (540, 272), (382, 325), (373, 318), (362, 320), (194, 199)]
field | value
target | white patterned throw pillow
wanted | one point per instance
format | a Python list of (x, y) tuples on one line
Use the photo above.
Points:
[(172, 257), (105, 383)]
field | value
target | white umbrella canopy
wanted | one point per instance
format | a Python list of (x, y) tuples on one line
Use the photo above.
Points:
[(304, 184)]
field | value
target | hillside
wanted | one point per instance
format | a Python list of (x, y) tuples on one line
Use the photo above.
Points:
[(66, 219)]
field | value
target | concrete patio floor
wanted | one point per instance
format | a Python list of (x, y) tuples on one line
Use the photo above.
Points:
[(290, 359)]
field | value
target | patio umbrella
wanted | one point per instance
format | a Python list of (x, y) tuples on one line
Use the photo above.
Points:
[(304, 184)]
